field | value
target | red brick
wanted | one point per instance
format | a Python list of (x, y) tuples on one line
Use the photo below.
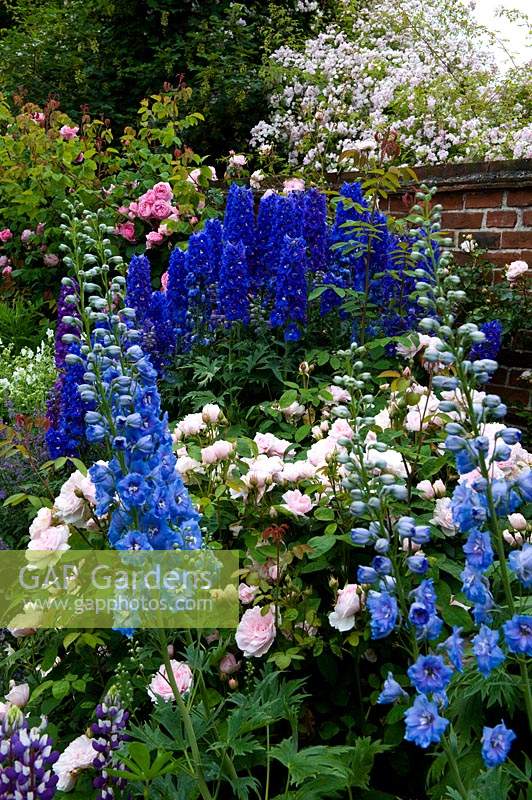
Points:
[(488, 240), (462, 219), (527, 219), (485, 199), (450, 201), (501, 219), (519, 197), (501, 376), (512, 395), (516, 239), (502, 257)]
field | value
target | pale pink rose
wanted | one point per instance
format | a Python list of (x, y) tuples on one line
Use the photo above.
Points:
[(518, 522), (262, 473), (78, 756), (161, 209), (321, 451), (160, 685), (51, 259), (297, 502), (214, 636), (185, 465), (22, 633), (41, 522), (126, 230), (52, 539), (26, 235), (67, 133), (144, 208), (133, 209), (515, 270), (339, 395), (238, 160), (5, 235), (163, 191), (256, 632), (77, 494), (423, 414), (426, 490), (341, 429), (297, 471), (349, 602), (273, 572), (514, 539), (3, 710), (246, 594), (229, 665), (39, 230), (3, 261), (270, 444), (18, 694), (164, 281), (164, 230), (409, 546), (211, 412), (216, 452), (123, 210), (38, 117), (390, 461), (294, 411), (294, 185), (154, 238), (443, 516), (439, 488), (7, 271), (383, 419), (190, 425)]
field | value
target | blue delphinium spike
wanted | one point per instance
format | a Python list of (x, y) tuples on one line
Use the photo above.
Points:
[(176, 292), (290, 306), (138, 283), (239, 221), (315, 229), (233, 286)]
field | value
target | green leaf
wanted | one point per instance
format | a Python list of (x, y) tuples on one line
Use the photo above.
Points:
[(287, 398), (324, 514), (320, 545)]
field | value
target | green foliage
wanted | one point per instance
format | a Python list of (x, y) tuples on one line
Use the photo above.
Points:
[(26, 377)]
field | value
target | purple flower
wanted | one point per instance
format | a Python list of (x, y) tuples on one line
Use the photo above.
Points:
[(496, 743), (424, 725), (109, 733)]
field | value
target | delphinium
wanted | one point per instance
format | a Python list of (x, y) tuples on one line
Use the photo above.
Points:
[(138, 486), (401, 579), (239, 222), (233, 285), (290, 304), (491, 345), (108, 733), (315, 231), (26, 759), (202, 272), (67, 435)]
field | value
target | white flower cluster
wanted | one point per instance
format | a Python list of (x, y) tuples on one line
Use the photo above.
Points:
[(26, 377), (421, 67)]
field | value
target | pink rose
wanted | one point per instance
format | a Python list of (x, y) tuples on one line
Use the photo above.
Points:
[(216, 452), (270, 444), (349, 602), (164, 281), (341, 429), (154, 238), (133, 209), (41, 522), (211, 412), (443, 516), (246, 594), (38, 117), (160, 685), (339, 395), (190, 425), (78, 756), (39, 230), (163, 191), (51, 260), (514, 270), (6, 272), (161, 209), (67, 133), (4, 260), (18, 695), (126, 230), (26, 235), (294, 185), (5, 235), (297, 471), (229, 665), (51, 539), (144, 208), (256, 632), (297, 502), (518, 522)]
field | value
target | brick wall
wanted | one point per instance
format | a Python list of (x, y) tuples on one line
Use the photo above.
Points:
[(492, 202)]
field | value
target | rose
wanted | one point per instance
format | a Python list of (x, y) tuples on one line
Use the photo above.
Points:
[(164, 281), (144, 207), (294, 185), (256, 632), (514, 270), (126, 230), (18, 694), (163, 191), (216, 452), (211, 412), (76, 494), (51, 260), (6, 272), (41, 522), (246, 594), (296, 502), (160, 685), (349, 602), (161, 209), (26, 235), (190, 425), (341, 429), (270, 444), (154, 238), (518, 522), (229, 665), (430, 490), (51, 539), (77, 756), (67, 133), (443, 516), (5, 235)]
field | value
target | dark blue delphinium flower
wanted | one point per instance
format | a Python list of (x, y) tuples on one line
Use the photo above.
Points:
[(64, 309), (138, 283), (160, 336), (67, 436), (518, 634), (490, 347), (478, 550), (391, 690), (267, 249), (496, 744), (315, 231), (488, 653), (290, 306), (383, 610), (213, 230), (424, 725), (200, 281), (239, 221), (429, 674), (234, 284), (176, 292)]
